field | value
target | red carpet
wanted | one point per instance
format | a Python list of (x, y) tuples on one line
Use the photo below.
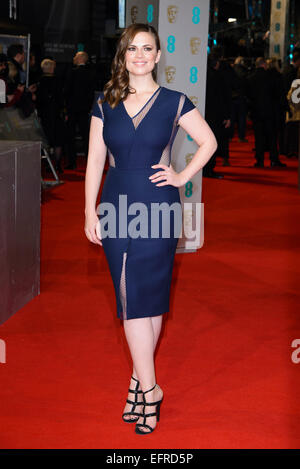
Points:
[(224, 361)]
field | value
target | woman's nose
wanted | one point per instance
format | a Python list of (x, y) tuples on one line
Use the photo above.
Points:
[(139, 53)]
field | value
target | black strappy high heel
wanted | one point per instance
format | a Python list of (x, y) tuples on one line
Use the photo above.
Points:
[(152, 414), (134, 404)]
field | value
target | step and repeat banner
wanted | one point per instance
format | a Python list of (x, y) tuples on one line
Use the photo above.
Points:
[(278, 26), (142, 11), (183, 30)]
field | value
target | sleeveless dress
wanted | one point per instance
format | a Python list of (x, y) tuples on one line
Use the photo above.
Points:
[(139, 252)]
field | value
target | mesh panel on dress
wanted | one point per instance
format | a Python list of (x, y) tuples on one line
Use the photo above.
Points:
[(111, 158), (123, 287), (138, 119), (101, 110), (165, 156)]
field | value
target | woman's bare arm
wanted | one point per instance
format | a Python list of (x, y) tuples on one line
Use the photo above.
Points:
[(197, 127), (93, 176)]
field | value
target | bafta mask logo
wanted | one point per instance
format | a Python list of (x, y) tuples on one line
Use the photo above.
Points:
[(276, 17), (170, 72), (172, 13), (188, 222), (194, 100), (188, 158), (134, 13), (195, 43)]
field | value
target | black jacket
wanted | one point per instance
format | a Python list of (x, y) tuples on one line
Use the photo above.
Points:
[(217, 103), (240, 82), (281, 103), (49, 97), (261, 91), (289, 75), (79, 89)]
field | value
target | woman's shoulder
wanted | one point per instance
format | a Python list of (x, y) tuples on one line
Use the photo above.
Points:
[(180, 101), (99, 95), (173, 93), (99, 100), (168, 91)]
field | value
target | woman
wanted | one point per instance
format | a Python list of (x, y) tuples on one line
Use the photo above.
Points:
[(136, 120)]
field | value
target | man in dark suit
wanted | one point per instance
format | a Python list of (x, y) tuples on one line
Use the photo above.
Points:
[(217, 112), (291, 128), (79, 95), (239, 101), (290, 70), (262, 96), (16, 56)]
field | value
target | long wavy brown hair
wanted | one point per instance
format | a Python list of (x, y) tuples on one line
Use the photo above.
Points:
[(117, 88)]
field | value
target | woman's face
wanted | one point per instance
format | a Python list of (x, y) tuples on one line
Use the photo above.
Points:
[(142, 55)]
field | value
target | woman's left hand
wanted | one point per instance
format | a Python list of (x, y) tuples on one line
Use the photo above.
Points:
[(168, 176)]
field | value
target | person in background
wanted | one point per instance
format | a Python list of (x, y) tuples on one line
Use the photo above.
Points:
[(290, 70), (280, 103), (8, 74), (217, 112), (79, 96), (50, 104), (239, 99), (16, 56), (289, 75), (3, 78), (262, 96), (16, 59), (228, 77), (35, 71)]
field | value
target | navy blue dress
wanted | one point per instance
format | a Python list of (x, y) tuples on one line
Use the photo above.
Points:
[(140, 266)]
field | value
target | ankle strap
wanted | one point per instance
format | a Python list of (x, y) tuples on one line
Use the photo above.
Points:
[(150, 389), (136, 386)]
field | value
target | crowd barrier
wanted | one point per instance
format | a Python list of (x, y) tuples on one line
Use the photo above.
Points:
[(20, 200)]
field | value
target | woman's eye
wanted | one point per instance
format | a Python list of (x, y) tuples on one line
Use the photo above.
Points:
[(147, 49)]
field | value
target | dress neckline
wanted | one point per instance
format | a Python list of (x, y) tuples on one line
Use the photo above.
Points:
[(132, 117)]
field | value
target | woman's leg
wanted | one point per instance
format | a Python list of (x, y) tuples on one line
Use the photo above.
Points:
[(156, 326), (140, 338), (142, 335)]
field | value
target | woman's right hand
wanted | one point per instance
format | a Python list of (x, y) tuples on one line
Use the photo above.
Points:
[(91, 222)]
